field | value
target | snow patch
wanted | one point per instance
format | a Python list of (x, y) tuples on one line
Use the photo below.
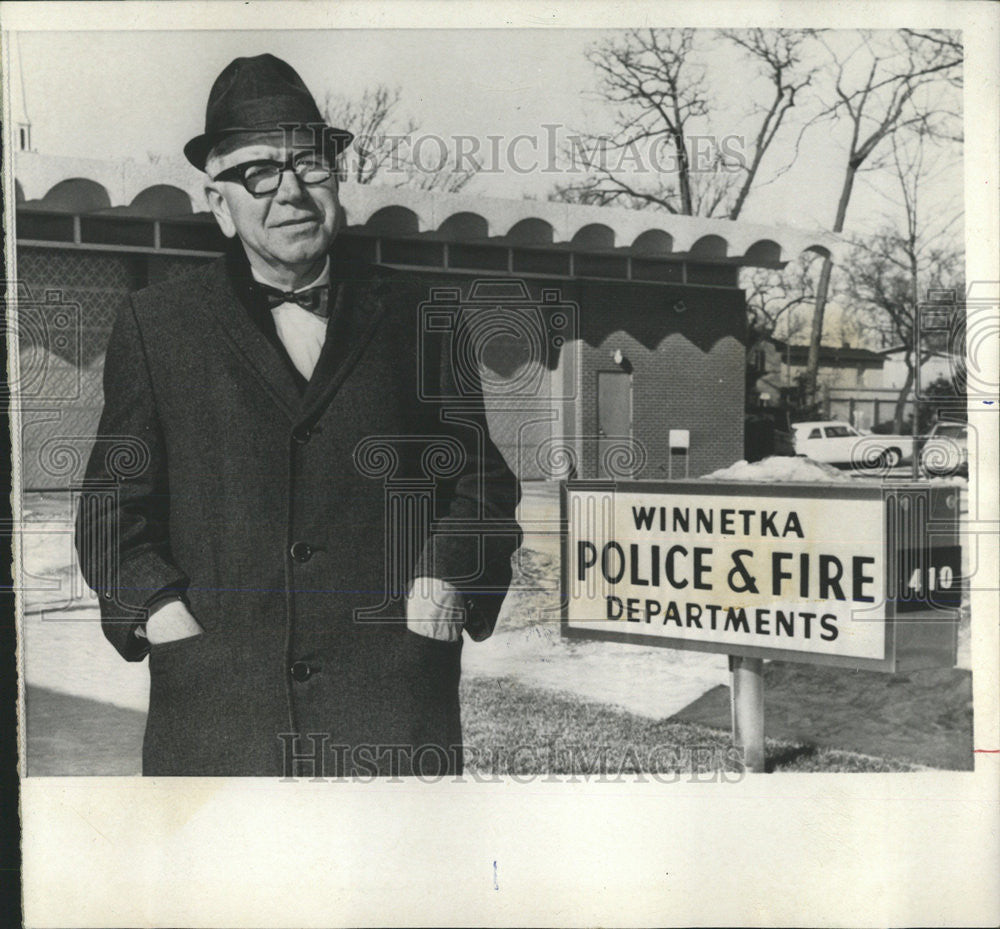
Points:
[(779, 469)]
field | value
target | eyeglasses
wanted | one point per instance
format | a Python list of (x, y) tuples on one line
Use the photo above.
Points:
[(263, 177)]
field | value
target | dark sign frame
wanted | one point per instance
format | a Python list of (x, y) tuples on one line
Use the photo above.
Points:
[(921, 638)]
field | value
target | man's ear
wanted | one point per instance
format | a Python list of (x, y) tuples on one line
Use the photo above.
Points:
[(220, 209)]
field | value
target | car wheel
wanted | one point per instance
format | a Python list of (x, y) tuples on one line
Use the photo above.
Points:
[(890, 458)]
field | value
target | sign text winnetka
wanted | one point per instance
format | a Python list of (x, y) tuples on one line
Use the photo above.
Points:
[(793, 574)]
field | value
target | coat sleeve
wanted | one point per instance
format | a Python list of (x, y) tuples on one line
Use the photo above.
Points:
[(476, 531), (122, 522)]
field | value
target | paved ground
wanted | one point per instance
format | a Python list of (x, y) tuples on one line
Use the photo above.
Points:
[(527, 644), (65, 651)]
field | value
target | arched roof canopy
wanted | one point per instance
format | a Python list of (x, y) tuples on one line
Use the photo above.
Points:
[(401, 213), (161, 201), (76, 195), (531, 231), (393, 220), (596, 236), (464, 226), (764, 252), (653, 243), (710, 246), (820, 250)]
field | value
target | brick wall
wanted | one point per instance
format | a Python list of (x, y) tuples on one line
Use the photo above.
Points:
[(684, 347)]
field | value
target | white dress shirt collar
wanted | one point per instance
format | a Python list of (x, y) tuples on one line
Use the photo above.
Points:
[(302, 333), (322, 278)]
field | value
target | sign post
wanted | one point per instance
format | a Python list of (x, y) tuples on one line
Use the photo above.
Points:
[(860, 576), (747, 700)]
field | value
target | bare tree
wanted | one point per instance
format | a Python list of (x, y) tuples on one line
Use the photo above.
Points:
[(938, 45), (386, 145), (656, 79), (773, 295), (884, 85), (778, 54), (652, 79), (378, 130), (892, 273), (436, 174)]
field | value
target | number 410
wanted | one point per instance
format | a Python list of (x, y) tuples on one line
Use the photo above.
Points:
[(937, 580)]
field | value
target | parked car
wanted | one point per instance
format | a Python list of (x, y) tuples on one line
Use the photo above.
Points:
[(839, 443), (946, 451)]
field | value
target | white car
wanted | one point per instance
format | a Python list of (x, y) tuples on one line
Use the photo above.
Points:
[(839, 443), (946, 451)]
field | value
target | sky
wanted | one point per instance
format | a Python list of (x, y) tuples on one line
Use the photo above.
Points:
[(140, 94)]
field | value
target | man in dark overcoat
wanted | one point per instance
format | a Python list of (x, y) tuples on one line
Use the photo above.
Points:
[(293, 505)]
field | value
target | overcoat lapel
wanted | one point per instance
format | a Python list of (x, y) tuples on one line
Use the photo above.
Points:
[(358, 311), (246, 339)]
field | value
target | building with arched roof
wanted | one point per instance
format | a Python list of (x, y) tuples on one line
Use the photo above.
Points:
[(607, 329)]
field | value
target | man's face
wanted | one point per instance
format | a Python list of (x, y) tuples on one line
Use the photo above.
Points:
[(288, 231)]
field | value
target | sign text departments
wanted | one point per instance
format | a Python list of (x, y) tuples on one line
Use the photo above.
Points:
[(794, 574)]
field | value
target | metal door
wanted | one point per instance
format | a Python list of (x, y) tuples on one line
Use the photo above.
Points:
[(614, 421)]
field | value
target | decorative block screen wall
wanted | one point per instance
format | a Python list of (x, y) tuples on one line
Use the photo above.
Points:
[(66, 303)]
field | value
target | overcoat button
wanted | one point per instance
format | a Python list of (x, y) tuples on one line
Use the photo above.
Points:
[(302, 434), (301, 551), (300, 671)]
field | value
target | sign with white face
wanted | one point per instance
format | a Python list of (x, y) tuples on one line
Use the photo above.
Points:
[(793, 575)]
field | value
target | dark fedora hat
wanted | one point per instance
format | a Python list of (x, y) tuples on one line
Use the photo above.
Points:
[(261, 94)]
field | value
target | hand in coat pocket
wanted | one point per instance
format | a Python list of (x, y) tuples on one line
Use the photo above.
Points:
[(170, 622), (434, 609)]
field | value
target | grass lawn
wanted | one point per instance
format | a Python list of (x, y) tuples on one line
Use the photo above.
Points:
[(923, 717), (511, 730)]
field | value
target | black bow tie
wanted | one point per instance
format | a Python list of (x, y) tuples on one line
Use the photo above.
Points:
[(314, 299)]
